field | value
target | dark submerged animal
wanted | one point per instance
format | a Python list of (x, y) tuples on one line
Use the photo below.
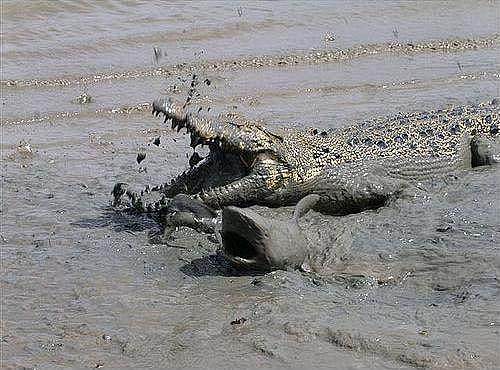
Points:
[(336, 172)]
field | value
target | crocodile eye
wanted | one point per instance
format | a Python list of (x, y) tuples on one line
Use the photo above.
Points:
[(488, 119), (494, 129), (382, 144), (367, 141)]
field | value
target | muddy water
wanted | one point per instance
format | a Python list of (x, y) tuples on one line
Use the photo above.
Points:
[(417, 284)]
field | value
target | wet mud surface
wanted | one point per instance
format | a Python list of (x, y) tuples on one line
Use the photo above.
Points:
[(413, 284)]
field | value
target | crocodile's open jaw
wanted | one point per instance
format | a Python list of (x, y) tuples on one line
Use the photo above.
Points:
[(240, 160)]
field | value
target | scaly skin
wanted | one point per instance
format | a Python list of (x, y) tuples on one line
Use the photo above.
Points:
[(280, 168)]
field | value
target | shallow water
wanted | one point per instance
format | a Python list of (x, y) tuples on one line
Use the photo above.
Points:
[(84, 286)]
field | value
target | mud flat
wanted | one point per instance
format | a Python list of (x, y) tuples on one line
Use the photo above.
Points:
[(82, 285)]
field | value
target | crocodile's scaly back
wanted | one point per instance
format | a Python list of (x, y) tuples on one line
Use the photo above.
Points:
[(434, 135), (249, 164)]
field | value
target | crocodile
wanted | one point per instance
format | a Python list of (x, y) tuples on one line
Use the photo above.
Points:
[(337, 171)]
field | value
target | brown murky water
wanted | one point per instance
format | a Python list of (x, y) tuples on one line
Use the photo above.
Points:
[(84, 286)]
